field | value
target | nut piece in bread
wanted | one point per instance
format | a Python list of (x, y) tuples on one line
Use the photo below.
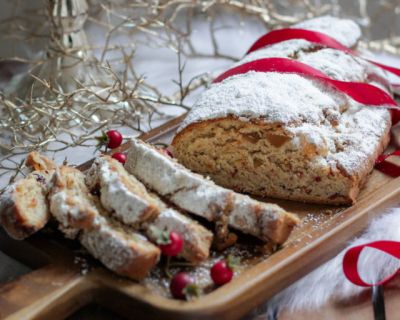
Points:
[(200, 196), (23, 205), (36, 161)]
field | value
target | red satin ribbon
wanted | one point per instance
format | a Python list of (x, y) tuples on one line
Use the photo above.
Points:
[(350, 261), (383, 157), (361, 92), (322, 39), (386, 167)]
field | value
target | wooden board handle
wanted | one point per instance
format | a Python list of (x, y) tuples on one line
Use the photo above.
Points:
[(51, 292)]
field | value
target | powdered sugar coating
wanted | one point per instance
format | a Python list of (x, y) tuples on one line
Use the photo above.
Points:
[(189, 191), (131, 208), (70, 201), (284, 49), (334, 63), (345, 31), (275, 97), (116, 247), (107, 245), (243, 214), (62, 212)]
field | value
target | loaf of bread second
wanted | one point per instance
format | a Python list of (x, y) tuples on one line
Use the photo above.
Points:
[(71, 203), (288, 136)]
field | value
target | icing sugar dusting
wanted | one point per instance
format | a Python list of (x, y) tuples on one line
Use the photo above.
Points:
[(278, 50), (336, 64), (273, 96), (347, 32)]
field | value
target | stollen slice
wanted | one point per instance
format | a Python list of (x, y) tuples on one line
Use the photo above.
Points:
[(200, 196), (23, 205), (121, 193)]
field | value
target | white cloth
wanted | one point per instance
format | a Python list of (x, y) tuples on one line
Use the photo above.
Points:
[(328, 282)]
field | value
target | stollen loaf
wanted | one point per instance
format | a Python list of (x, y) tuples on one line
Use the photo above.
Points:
[(285, 135)]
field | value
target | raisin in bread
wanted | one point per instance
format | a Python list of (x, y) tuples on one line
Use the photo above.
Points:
[(80, 214), (287, 136), (130, 194), (200, 196)]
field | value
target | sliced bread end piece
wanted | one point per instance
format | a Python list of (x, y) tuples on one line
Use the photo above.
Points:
[(266, 221), (23, 205)]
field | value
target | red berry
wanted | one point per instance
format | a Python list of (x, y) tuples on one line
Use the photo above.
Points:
[(174, 246), (178, 285), (221, 273), (121, 157), (168, 153), (114, 139)]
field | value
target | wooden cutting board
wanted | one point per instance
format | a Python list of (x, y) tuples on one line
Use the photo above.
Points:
[(64, 279)]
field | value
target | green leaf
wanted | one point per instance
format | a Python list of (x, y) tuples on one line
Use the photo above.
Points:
[(161, 236), (233, 262), (191, 291)]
